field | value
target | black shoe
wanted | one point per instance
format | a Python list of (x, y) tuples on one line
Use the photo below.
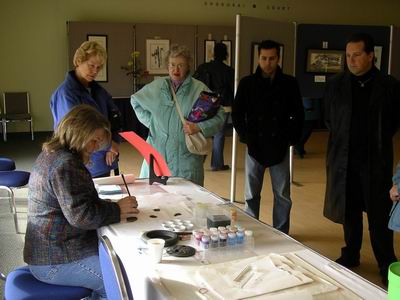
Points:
[(385, 281), (223, 168), (384, 276), (348, 263)]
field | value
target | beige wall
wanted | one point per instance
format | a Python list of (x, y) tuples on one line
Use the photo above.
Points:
[(33, 49)]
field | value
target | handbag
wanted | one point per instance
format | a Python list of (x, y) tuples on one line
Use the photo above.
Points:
[(196, 143)]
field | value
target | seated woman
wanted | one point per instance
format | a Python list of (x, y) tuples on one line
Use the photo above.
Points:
[(155, 108), (61, 245)]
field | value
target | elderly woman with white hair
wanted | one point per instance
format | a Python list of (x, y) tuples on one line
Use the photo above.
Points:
[(155, 108)]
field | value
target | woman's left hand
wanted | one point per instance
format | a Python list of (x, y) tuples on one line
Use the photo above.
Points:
[(190, 128), (112, 154)]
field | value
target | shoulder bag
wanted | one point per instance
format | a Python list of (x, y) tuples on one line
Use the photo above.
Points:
[(196, 143)]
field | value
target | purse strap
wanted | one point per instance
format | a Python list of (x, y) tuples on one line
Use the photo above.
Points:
[(178, 108)]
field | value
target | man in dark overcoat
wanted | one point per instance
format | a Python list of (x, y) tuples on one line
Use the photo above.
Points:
[(361, 112), (268, 115), (219, 78)]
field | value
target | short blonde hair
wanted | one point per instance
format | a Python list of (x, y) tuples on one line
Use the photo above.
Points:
[(179, 51), (77, 128), (88, 49)]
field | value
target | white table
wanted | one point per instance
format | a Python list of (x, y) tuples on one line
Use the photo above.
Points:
[(175, 278)]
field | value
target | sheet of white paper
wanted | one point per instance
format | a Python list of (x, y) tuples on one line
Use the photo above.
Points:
[(129, 178), (267, 274), (110, 189)]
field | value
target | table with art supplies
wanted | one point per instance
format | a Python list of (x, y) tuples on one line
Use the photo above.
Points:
[(213, 250)]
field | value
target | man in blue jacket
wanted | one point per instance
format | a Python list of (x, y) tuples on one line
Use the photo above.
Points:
[(268, 114)]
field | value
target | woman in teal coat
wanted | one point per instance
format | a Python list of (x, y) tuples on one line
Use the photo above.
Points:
[(155, 108)]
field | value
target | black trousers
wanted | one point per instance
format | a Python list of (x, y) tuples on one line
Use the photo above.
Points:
[(381, 237)]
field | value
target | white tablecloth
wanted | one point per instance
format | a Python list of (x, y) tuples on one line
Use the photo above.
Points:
[(177, 278)]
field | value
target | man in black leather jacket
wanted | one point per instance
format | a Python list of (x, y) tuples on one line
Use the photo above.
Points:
[(267, 114), (361, 113)]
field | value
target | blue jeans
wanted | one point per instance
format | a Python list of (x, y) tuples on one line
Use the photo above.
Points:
[(280, 180), (217, 156), (85, 272)]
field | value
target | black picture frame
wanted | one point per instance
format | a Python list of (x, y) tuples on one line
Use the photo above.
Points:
[(209, 50), (228, 44), (325, 61), (102, 76)]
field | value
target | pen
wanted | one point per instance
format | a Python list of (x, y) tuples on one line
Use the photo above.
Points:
[(126, 186)]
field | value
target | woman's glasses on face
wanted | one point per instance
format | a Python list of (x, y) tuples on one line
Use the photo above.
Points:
[(177, 66)]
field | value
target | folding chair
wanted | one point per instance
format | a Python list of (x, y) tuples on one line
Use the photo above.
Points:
[(8, 181), (114, 276), (22, 285), (16, 109)]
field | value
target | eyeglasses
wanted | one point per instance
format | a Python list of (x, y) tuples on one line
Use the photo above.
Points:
[(177, 66)]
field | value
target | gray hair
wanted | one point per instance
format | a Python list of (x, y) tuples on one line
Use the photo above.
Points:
[(178, 51)]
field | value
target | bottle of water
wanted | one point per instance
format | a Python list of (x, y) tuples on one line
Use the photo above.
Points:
[(249, 239)]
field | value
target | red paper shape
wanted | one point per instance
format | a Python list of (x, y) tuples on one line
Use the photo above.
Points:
[(145, 149)]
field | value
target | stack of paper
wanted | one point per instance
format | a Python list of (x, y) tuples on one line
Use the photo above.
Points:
[(252, 276)]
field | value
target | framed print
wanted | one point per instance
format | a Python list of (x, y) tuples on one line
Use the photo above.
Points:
[(156, 51), (102, 76), (209, 50), (378, 56), (255, 56), (325, 61), (228, 45)]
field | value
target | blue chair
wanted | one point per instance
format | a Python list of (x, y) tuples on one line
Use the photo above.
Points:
[(6, 164), (114, 275), (22, 285), (8, 181)]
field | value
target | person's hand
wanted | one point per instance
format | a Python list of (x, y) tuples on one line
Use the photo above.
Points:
[(128, 207), (190, 128), (112, 154), (394, 193)]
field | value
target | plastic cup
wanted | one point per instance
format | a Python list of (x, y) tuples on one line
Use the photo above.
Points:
[(394, 281), (155, 250)]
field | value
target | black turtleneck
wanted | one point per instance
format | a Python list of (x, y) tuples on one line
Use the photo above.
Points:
[(361, 87)]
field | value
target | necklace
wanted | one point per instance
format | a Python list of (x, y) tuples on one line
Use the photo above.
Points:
[(362, 83)]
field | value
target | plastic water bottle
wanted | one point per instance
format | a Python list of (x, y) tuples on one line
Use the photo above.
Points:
[(249, 239)]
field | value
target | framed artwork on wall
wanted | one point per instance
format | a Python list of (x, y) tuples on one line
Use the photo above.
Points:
[(102, 76), (378, 56), (209, 50), (156, 51), (254, 56), (228, 44), (325, 61)]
